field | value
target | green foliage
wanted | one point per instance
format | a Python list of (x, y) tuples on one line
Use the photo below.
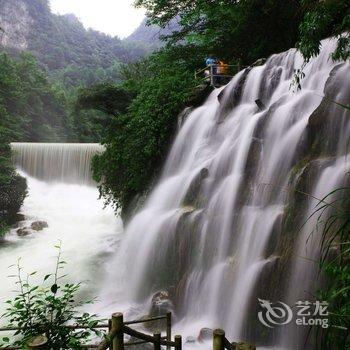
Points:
[(35, 108), (71, 54), (233, 30), (334, 220), (108, 98), (47, 309), (13, 188), (324, 19), (137, 141), (31, 108), (39, 93)]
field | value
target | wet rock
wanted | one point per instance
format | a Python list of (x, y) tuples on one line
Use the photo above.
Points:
[(260, 104), (243, 346), (161, 303), (25, 231), (253, 157), (259, 62), (200, 94), (320, 115), (270, 80), (275, 236), (183, 116), (193, 194), (205, 334), (130, 208), (39, 225), (326, 121), (230, 96), (259, 131), (188, 209), (190, 340)]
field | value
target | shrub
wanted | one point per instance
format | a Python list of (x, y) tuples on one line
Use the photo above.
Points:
[(47, 309)]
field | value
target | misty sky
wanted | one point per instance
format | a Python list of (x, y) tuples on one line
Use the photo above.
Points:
[(114, 17)]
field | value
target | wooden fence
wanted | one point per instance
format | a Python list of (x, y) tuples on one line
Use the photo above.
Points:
[(114, 339), (117, 328), (210, 74)]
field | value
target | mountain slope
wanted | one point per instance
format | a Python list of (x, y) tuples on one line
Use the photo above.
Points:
[(58, 41), (150, 35)]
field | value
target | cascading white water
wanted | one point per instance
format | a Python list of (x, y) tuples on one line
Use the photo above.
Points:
[(211, 233), (73, 212), (56, 162)]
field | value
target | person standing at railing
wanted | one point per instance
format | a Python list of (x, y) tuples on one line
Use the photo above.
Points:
[(211, 62), (223, 68), (222, 71)]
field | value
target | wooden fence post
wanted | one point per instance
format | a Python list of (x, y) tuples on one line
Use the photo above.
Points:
[(168, 328), (157, 337), (212, 78), (178, 342), (118, 323), (218, 339)]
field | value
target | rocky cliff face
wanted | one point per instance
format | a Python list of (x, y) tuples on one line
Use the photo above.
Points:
[(15, 22)]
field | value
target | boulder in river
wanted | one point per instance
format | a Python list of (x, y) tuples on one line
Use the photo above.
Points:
[(39, 225), (190, 340), (24, 231), (205, 334), (243, 346), (161, 303)]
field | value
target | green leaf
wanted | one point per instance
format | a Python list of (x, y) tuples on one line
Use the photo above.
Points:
[(54, 288)]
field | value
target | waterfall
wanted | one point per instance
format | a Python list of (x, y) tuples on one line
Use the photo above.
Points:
[(61, 193), (222, 226), (59, 162)]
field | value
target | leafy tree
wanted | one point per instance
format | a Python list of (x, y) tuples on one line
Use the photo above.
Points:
[(108, 98), (324, 19), (234, 30), (137, 141), (13, 188), (32, 108)]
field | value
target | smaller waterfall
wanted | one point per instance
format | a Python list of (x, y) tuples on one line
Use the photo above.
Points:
[(56, 162), (61, 193)]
